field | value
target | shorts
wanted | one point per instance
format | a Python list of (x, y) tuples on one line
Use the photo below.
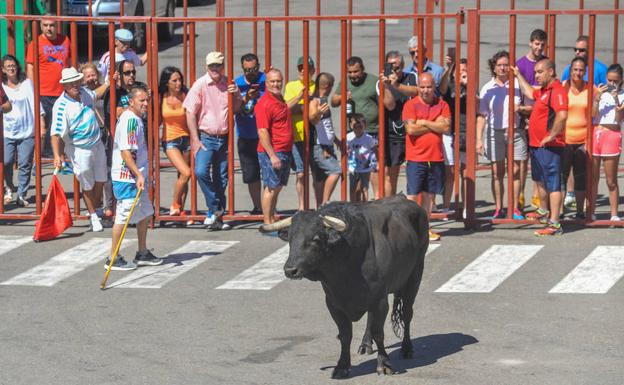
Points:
[(248, 157), (296, 162), (495, 144), (606, 142), (425, 176), (395, 153), (575, 158), (546, 167), (362, 177), (449, 152), (325, 162), (182, 143), (271, 177), (125, 193), (89, 164)]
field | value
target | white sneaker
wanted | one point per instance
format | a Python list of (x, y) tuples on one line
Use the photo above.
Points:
[(210, 220), (615, 218), (8, 196), (96, 223)]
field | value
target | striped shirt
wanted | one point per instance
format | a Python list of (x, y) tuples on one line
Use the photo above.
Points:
[(75, 121), (208, 101), (129, 136)]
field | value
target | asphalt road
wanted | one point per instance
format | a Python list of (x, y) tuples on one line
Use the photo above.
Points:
[(498, 306)]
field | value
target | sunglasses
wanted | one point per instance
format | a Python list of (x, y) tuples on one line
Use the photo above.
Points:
[(129, 73), (412, 53), (580, 49), (251, 70)]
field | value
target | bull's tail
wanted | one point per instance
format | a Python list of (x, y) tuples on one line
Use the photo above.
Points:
[(398, 325)]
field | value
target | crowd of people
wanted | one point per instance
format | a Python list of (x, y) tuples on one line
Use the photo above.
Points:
[(550, 130)]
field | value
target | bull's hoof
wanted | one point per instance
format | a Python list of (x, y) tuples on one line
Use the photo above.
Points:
[(365, 349), (338, 373), (385, 369), (407, 353)]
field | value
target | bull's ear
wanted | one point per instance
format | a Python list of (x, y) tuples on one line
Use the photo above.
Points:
[(283, 234)]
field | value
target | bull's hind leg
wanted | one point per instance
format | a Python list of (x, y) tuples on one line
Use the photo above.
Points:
[(366, 347), (377, 320), (345, 334), (408, 295)]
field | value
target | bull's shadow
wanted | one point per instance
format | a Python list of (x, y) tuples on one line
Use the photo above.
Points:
[(427, 350)]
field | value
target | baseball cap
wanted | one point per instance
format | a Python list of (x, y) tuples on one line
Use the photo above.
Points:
[(214, 57), (300, 61), (124, 35)]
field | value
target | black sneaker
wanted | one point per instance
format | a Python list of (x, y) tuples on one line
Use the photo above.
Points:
[(146, 258), (218, 225), (120, 264)]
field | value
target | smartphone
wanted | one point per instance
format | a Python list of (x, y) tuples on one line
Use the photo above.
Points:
[(450, 51), (388, 69), (610, 88), (255, 87)]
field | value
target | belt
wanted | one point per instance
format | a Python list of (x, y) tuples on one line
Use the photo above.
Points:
[(213, 136)]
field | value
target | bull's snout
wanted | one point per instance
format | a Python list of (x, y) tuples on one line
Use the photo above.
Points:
[(292, 272)]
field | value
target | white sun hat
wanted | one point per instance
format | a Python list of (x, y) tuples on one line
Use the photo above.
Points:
[(70, 75)]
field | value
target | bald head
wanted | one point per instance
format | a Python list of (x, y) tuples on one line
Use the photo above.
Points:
[(426, 87), (545, 72), (274, 81)]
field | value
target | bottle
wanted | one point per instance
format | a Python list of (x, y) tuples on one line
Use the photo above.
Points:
[(350, 107)]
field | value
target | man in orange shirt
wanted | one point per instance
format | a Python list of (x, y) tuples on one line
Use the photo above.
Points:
[(54, 55), (426, 118)]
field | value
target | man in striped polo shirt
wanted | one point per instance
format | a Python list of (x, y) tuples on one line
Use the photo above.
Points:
[(76, 132)]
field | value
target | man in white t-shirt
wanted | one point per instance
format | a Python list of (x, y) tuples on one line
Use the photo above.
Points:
[(123, 51), (129, 174), (76, 132)]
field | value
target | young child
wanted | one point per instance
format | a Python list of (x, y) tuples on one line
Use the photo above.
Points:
[(361, 149)]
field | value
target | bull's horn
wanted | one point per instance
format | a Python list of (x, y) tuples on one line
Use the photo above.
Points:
[(334, 223), (276, 226)]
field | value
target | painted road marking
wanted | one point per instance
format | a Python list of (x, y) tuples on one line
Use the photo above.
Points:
[(66, 264), (176, 263), (269, 272), (490, 269), (264, 275), (596, 274), (10, 242)]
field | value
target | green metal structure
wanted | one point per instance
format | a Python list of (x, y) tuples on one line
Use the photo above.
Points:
[(22, 29)]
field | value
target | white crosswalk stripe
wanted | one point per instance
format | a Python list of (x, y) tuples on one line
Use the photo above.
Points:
[(269, 272), (177, 263), (66, 264), (490, 269), (10, 242), (264, 275), (596, 274)]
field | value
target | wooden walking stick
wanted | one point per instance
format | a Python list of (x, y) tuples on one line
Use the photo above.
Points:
[(123, 233)]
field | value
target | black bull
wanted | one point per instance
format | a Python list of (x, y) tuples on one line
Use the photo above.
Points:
[(360, 253)]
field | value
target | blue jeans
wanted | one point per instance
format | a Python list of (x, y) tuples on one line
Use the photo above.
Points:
[(211, 170), (25, 149)]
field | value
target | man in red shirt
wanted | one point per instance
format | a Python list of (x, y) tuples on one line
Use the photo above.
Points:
[(54, 55), (546, 141), (426, 118), (275, 142)]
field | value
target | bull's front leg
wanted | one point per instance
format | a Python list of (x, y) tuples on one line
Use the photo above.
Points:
[(345, 334), (366, 347), (377, 320)]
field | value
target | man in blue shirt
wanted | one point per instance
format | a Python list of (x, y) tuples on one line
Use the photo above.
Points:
[(251, 86), (581, 49), (436, 70)]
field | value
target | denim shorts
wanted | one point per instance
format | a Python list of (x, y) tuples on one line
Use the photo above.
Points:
[(296, 163), (425, 176), (546, 167), (271, 177), (324, 161), (183, 143)]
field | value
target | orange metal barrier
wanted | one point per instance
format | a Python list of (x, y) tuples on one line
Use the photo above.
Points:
[(474, 64), (423, 28)]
